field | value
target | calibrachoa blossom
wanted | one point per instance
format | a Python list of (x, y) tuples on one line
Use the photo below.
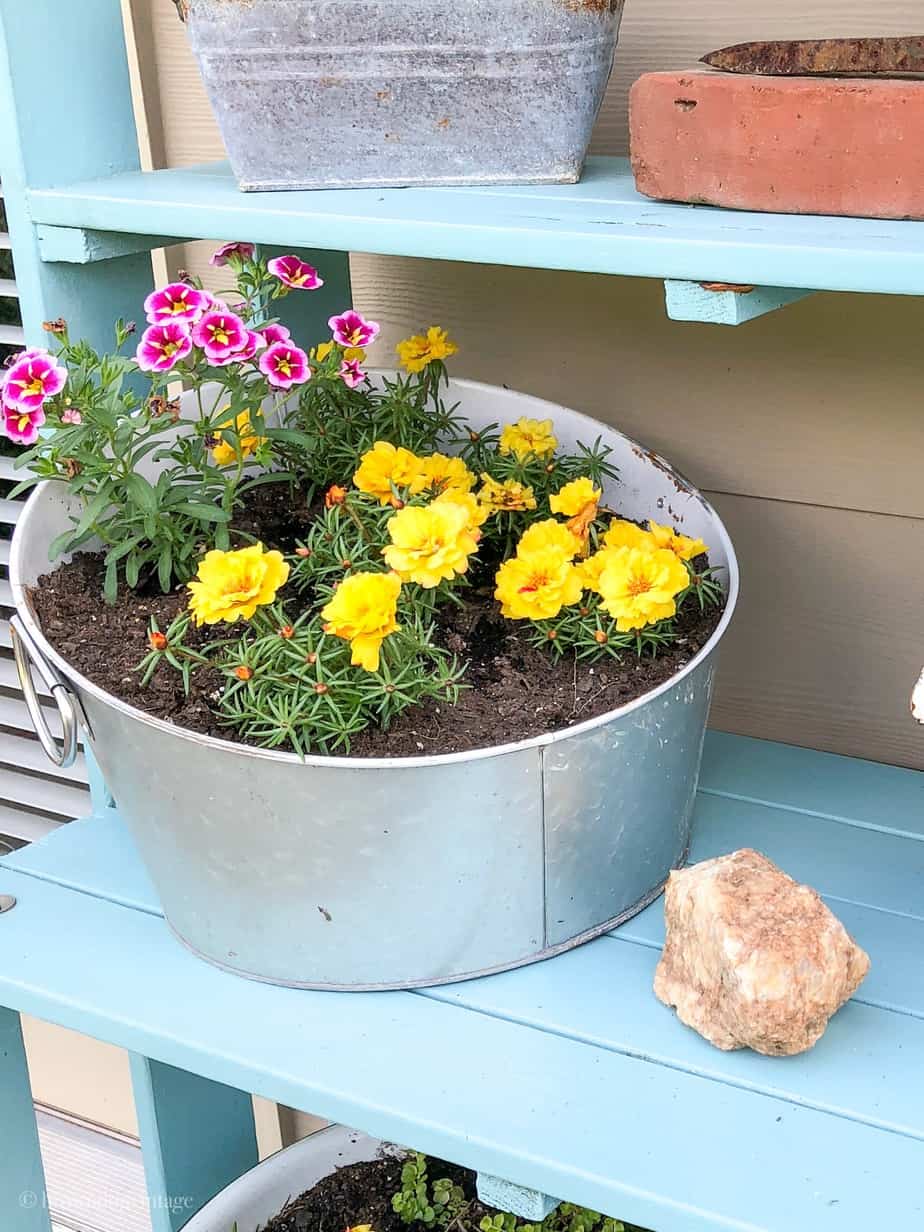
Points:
[(220, 333), (163, 346), (417, 352), (33, 378), (352, 330), (537, 585), (70, 415), (362, 612), (276, 332), (351, 374), (228, 451), (176, 302), (232, 585), (237, 251), (284, 365), (295, 273), (22, 426), (430, 544), (385, 467), (507, 497), (685, 547), (639, 588), (254, 342), (528, 438)]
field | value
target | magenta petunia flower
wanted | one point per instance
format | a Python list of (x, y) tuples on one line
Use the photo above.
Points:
[(33, 377), (285, 365), (220, 333), (275, 333), (351, 374), (236, 251), (295, 273), (176, 302), (352, 330), (162, 346), (22, 426)]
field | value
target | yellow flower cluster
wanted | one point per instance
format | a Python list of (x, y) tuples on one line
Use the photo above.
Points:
[(232, 585), (505, 497), (417, 352), (386, 469), (639, 574), (528, 438), (363, 612), (541, 578), (226, 452)]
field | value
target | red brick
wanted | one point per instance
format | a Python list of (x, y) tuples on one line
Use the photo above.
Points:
[(791, 145)]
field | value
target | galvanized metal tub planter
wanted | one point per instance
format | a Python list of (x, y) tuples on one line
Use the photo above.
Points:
[(356, 873), (330, 94)]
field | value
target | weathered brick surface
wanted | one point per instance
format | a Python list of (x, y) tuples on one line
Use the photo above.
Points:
[(796, 145)]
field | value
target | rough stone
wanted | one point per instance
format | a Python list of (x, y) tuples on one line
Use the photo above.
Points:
[(752, 958), (795, 145)]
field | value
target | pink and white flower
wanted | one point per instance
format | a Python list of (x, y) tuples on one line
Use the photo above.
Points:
[(351, 374), (33, 377), (163, 346), (352, 330), (71, 416), (220, 333), (235, 252), (22, 426), (295, 273), (254, 343), (176, 302), (285, 365), (276, 332)]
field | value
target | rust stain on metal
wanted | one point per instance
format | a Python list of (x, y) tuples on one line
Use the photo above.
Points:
[(857, 57), (444, 122), (593, 6), (737, 287), (681, 484)]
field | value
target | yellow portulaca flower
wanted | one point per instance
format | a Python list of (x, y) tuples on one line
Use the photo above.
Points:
[(528, 437), (476, 512), (232, 585), (640, 587), (591, 568), (506, 497), (627, 535), (384, 467), (422, 349), (226, 452), (549, 534), (362, 611), (440, 473), (682, 545), (537, 585), (430, 543), (574, 497)]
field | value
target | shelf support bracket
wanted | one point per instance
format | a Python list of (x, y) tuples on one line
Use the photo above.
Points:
[(80, 246), (530, 1204), (725, 303)]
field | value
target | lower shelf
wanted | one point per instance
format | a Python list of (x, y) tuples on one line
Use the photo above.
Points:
[(567, 1077)]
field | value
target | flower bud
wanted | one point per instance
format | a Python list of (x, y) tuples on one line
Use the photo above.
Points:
[(311, 658), (335, 495), (321, 688), (286, 631), (243, 672), (600, 638), (304, 553), (157, 640), (552, 635)]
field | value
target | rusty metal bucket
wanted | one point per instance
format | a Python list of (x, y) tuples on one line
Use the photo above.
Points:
[(395, 872), (362, 93)]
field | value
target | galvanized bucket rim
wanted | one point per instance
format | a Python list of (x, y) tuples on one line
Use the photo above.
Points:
[(69, 673)]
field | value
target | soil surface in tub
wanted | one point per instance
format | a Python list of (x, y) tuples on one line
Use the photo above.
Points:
[(515, 689), (361, 1194)]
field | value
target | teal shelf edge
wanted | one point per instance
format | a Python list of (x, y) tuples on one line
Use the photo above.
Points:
[(601, 225)]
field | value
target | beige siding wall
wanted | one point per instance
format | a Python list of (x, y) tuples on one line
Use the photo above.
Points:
[(805, 427)]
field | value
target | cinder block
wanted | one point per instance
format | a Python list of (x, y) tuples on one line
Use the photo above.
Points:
[(791, 145)]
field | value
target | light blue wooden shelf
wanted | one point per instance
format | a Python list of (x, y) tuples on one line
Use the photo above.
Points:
[(601, 225), (568, 1077)]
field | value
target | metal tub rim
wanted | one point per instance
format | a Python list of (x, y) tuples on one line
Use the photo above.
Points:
[(69, 673)]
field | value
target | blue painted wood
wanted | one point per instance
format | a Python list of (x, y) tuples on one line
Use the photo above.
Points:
[(642, 1141), (80, 247), (196, 1137), (514, 1199), (600, 225), (567, 1078), (23, 1204), (60, 124), (695, 301)]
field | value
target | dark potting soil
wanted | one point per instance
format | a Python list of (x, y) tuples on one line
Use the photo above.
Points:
[(361, 1194), (515, 690)]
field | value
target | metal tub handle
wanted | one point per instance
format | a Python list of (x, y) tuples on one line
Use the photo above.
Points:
[(27, 656)]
